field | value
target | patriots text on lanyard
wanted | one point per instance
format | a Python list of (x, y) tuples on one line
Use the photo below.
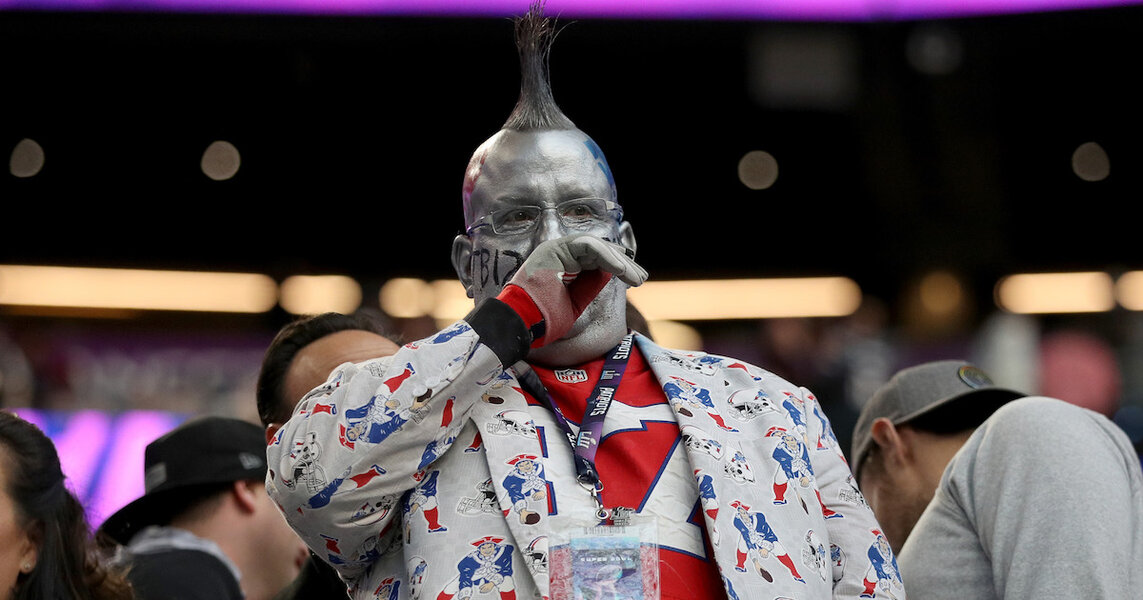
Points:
[(603, 400), (624, 349)]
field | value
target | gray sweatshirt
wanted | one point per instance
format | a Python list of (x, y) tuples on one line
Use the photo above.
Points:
[(1045, 500)]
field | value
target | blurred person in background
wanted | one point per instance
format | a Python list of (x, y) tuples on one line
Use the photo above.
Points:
[(205, 528), (300, 357), (46, 549), (303, 354), (1080, 367), (988, 493), (637, 322)]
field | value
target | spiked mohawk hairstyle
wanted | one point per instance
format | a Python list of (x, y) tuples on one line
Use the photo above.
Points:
[(536, 109)]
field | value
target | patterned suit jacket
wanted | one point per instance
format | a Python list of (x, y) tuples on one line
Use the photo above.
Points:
[(426, 474)]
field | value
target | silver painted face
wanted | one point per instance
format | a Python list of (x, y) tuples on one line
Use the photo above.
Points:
[(545, 169)]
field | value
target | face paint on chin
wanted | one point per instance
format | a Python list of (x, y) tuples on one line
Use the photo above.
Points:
[(598, 329)]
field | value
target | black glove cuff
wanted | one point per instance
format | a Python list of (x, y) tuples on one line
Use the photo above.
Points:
[(501, 330)]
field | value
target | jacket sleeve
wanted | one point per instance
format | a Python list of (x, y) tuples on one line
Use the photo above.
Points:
[(356, 444), (853, 530)]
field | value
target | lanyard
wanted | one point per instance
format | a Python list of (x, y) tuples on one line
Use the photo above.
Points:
[(586, 443)]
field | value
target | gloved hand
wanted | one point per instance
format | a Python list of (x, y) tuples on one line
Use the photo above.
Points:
[(561, 277)]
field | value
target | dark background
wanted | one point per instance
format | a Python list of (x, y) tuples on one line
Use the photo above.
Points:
[(354, 134)]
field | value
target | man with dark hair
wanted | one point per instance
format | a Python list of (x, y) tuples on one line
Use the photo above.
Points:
[(205, 528), (306, 351), (987, 493), (530, 450), (300, 357)]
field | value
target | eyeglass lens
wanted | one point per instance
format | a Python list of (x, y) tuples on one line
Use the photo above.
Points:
[(583, 213)]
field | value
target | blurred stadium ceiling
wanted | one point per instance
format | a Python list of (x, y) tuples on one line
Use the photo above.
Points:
[(902, 146)]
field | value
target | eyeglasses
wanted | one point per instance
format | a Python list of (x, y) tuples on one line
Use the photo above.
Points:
[(579, 214)]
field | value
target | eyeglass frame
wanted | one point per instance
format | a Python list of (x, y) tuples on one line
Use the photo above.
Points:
[(613, 209)]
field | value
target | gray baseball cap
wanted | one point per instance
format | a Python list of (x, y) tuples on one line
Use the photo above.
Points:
[(919, 390)]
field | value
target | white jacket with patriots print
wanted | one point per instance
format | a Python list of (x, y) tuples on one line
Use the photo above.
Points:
[(427, 475)]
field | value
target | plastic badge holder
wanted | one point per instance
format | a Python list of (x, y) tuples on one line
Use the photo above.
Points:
[(607, 562)]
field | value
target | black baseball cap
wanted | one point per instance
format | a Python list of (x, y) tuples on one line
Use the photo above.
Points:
[(199, 452)]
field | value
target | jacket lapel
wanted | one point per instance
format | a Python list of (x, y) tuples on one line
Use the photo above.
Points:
[(697, 387)]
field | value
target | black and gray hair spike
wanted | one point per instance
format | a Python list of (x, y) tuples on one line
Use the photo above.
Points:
[(536, 108)]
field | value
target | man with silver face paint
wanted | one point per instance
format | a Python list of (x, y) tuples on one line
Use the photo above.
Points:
[(526, 187), (547, 257)]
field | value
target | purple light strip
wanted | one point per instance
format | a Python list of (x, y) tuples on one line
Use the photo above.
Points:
[(79, 455), (827, 10), (101, 454), (124, 483)]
